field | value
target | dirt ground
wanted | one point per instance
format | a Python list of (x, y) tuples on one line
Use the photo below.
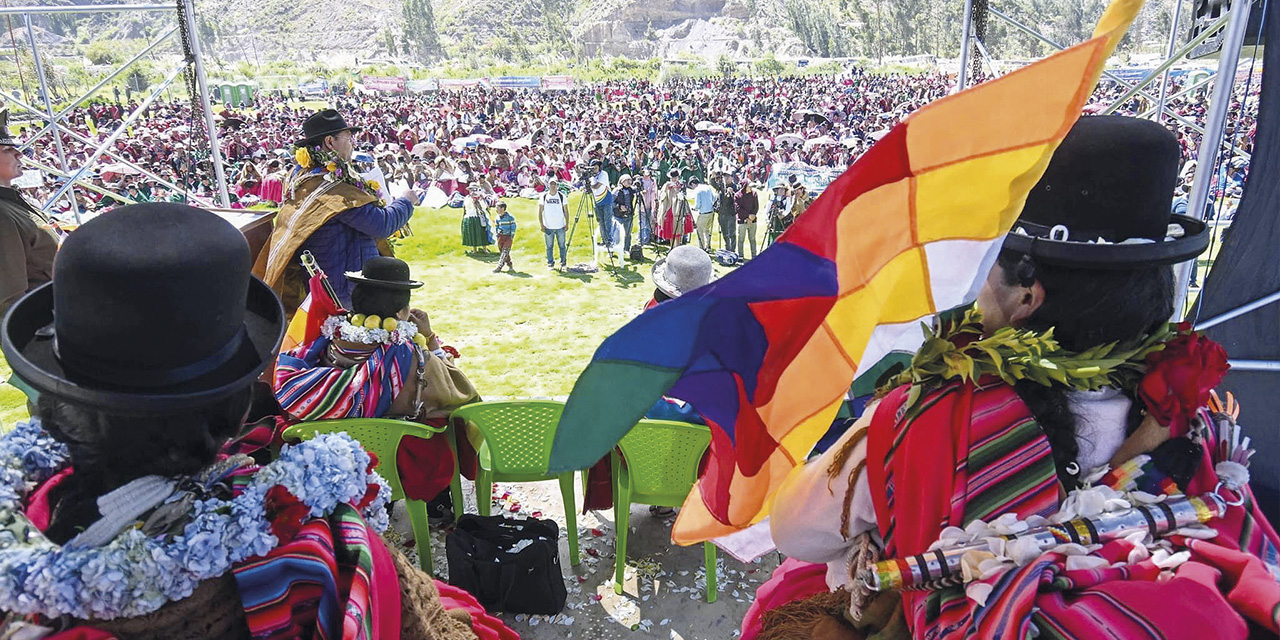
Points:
[(663, 595)]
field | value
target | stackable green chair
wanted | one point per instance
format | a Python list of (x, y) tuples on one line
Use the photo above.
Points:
[(515, 446), (381, 437), (658, 465)]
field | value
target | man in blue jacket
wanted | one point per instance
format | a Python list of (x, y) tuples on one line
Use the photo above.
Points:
[(330, 210)]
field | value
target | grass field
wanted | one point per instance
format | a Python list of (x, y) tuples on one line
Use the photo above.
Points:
[(522, 334)]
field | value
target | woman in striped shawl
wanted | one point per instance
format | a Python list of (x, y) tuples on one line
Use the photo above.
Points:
[(383, 361), (1087, 270)]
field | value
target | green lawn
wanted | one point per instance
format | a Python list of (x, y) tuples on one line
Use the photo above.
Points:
[(522, 334)]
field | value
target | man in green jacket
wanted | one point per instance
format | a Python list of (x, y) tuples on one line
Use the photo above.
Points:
[(27, 244)]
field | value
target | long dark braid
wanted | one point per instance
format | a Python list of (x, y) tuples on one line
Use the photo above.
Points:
[(108, 451), (1085, 308)]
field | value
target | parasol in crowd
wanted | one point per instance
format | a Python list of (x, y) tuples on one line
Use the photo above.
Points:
[(118, 168), (809, 115), (423, 148), (818, 141), (792, 138), (704, 125)]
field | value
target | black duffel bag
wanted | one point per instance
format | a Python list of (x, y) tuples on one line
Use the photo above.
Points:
[(508, 565)]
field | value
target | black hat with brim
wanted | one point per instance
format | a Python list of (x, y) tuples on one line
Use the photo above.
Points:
[(385, 272), (1189, 239), (326, 122), (1105, 201), (142, 332)]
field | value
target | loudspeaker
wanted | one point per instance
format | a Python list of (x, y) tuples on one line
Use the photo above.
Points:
[(1207, 11)]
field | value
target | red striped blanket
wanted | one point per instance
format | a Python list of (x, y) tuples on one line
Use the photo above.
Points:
[(975, 452)]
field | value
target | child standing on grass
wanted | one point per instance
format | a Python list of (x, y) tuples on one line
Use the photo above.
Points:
[(506, 235)]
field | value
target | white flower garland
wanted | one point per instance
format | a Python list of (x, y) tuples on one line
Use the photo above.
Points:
[(134, 574), (341, 327)]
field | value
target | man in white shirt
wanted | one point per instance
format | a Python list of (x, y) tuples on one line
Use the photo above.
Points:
[(704, 201), (552, 219), (604, 202)]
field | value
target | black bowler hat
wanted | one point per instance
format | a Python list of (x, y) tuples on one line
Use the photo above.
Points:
[(1105, 201), (152, 309), (326, 122), (385, 272)]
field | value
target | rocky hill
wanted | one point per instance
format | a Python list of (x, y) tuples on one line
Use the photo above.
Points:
[(531, 32)]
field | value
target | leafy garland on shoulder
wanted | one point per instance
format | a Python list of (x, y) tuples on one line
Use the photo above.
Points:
[(957, 351)]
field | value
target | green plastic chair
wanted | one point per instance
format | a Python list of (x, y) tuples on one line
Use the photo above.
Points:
[(514, 445), (381, 437), (656, 463)]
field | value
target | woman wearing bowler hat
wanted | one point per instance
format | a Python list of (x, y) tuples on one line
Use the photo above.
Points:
[(330, 210), (1108, 428), (122, 518), (381, 361)]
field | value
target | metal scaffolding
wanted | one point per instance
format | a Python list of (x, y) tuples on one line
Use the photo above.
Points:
[(56, 123)]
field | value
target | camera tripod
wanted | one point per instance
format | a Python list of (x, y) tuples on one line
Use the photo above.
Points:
[(588, 204)]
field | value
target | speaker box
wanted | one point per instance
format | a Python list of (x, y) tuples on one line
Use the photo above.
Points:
[(1207, 11)]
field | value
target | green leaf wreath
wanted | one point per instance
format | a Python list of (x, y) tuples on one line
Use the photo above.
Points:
[(957, 351)]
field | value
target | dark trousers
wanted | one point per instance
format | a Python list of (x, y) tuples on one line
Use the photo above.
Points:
[(728, 230), (504, 245)]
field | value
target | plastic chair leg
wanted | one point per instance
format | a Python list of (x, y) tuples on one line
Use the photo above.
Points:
[(622, 521), (570, 515), (455, 485), (709, 551), (421, 534), (484, 491)]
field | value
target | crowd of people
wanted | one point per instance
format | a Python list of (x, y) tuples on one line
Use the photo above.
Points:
[(508, 143)]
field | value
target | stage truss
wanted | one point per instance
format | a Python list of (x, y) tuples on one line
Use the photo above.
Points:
[(56, 124)]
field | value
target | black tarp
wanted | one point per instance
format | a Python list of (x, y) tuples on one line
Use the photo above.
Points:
[(1248, 268)]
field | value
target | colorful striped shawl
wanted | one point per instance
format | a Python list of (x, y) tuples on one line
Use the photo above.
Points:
[(308, 390), (325, 583), (975, 452)]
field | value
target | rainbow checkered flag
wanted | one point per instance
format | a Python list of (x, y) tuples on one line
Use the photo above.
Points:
[(767, 353)]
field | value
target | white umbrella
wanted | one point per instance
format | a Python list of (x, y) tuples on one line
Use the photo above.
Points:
[(793, 138), (704, 125), (820, 140), (850, 142), (118, 168)]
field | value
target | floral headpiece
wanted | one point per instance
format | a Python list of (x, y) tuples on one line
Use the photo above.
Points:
[(316, 159)]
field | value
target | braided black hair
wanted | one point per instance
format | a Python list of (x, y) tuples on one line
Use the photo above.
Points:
[(1085, 308), (378, 301), (110, 450)]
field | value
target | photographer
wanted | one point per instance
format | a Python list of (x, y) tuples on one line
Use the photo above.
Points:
[(624, 207), (725, 212), (779, 212), (604, 202)]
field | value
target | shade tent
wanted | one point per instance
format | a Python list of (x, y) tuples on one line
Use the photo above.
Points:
[(1245, 271)]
